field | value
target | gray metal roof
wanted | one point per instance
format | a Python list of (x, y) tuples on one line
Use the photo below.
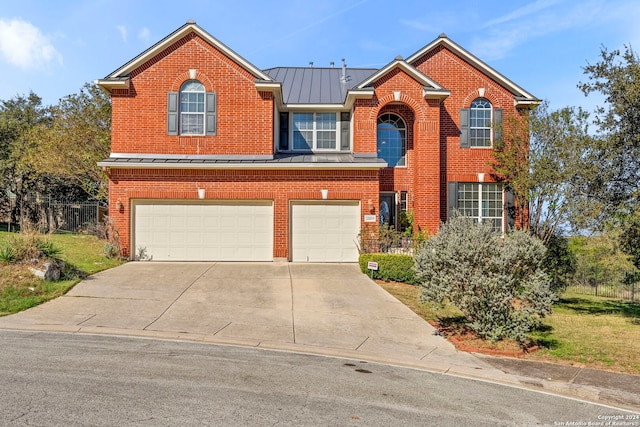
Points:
[(310, 85), (279, 161)]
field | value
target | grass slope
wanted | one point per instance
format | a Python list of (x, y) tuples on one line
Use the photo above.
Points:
[(20, 289)]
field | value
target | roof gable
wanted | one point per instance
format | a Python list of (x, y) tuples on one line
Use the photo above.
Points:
[(431, 89), (189, 27), (521, 96)]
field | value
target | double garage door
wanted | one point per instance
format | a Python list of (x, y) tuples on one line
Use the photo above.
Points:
[(204, 231), (243, 231)]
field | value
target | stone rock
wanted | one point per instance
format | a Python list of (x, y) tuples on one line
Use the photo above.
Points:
[(50, 270)]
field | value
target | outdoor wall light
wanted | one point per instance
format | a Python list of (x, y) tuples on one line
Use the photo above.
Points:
[(325, 194), (481, 177), (118, 204), (201, 193)]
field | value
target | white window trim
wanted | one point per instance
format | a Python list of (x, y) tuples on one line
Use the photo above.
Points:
[(479, 215), (406, 143), (490, 127), (202, 114), (315, 132)]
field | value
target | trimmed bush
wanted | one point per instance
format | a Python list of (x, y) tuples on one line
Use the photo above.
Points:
[(391, 267), (499, 284)]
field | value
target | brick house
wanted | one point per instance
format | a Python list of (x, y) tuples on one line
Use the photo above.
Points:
[(213, 158)]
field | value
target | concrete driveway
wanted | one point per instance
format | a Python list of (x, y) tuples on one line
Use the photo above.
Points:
[(330, 309)]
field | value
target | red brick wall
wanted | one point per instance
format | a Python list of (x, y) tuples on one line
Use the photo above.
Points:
[(463, 80), (421, 176), (281, 186), (245, 116)]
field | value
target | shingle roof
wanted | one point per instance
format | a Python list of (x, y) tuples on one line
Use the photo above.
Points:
[(310, 85)]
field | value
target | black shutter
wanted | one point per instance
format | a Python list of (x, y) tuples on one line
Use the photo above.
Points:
[(211, 116), (284, 132), (345, 131), (172, 113), (452, 198), (497, 127), (510, 207), (464, 128)]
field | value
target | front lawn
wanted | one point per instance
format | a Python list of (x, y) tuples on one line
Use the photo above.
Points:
[(583, 330), (20, 289)]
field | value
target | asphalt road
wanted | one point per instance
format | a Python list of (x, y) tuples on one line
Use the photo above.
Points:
[(64, 379)]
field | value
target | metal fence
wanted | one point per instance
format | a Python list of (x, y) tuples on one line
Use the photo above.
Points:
[(57, 216), (630, 293), (75, 217)]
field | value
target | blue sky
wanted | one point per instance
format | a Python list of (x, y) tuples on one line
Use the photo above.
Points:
[(53, 48)]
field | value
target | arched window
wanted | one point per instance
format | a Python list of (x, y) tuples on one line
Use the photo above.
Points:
[(192, 111), (480, 123), (392, 139), (192, 108)]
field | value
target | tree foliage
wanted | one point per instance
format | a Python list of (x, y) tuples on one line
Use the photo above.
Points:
[(560, 262), (546, 157), (50, 152), (616, 77), (600, 258), (19, 117), (78, 137), (499, 285), (630, 238)]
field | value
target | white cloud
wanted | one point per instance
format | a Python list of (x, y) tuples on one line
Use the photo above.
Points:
[(123, 32), (24, 45), (504, 34), (522, 12), (144, 34)]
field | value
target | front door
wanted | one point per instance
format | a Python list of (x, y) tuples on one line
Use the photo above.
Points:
[(388, 209)]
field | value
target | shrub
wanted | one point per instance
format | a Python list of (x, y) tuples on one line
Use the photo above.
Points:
[(29, 245), (499, 284), (560, 262), (391, 267)]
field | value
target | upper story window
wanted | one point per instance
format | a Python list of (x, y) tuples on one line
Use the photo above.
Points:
[(192, 108), (314, 131), (392, 139), (480, 124), (192, 111), (308, 131)]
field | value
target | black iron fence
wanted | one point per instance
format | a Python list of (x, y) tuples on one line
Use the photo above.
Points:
[(627, 292), (59, 216)]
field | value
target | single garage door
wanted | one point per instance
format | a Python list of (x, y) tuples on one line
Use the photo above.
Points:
[(325, 231), (204, 231)]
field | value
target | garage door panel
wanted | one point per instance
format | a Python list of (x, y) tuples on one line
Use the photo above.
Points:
[(205, 231), (325, 232)]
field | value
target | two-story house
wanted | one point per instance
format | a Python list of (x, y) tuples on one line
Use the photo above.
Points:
[(213, 158)]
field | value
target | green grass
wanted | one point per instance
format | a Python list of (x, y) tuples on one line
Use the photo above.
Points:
[(20, 289), (595, 332), (592, 331)]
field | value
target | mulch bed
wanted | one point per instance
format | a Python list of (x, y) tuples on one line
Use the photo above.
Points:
[(466, 340)]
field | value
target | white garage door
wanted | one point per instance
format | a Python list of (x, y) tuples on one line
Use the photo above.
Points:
[(324, 231), (204, 231)]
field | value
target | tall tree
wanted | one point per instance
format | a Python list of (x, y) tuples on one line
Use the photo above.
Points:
[(616, 76), (78, 137), (19, 117), (545, 156)]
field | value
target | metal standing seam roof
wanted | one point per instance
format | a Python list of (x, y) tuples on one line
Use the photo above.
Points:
[(280, 160), (311, 85)]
